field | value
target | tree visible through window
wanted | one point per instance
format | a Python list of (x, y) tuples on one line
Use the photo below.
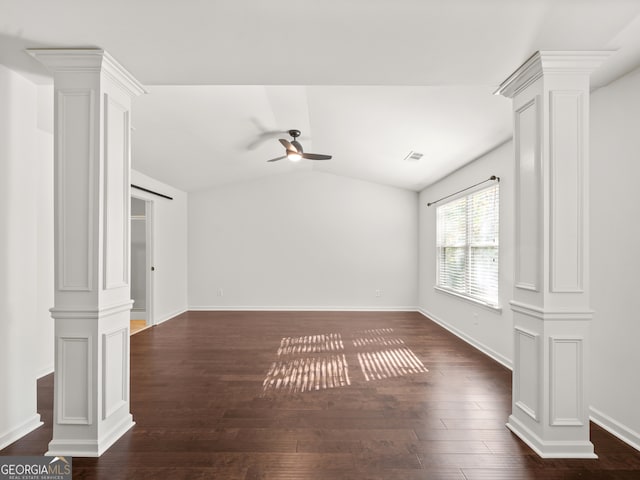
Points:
[(468, 245)]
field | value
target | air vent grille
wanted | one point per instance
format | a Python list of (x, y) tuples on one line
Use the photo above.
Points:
[(413, 156)]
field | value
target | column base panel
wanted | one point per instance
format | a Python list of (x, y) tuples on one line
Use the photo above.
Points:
[(87, 447), (551, 448)]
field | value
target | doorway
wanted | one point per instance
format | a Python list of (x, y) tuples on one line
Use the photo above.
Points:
[(141, 264)]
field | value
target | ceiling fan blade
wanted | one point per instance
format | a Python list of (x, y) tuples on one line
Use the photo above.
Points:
[(316, 156), (297, 146), (276, 159), (288, 145)]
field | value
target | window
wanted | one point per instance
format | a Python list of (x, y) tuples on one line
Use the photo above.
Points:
[(467, 245)]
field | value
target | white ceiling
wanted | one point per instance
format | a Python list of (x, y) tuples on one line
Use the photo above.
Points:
[(367, 81)]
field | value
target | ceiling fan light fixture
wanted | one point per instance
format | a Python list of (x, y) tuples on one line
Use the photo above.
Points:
[(294, 156)]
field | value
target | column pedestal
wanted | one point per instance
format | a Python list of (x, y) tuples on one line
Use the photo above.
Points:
[(549, 406)]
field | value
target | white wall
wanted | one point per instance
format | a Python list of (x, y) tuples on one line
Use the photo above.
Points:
[(304, 240), (26, 252), (169, 220), (44, 211), (489, 330), (615, 261)]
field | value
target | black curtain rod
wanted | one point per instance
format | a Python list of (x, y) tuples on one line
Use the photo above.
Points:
[(490, 179), (151, 191)]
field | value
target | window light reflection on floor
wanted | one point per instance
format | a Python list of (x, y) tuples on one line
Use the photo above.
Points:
[(330, 342), (397, 362), (318, 362), (377, 363), (376, 337), (305, 374)]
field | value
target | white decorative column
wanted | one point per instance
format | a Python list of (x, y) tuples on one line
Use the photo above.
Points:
[(551, 309), (92, 295)]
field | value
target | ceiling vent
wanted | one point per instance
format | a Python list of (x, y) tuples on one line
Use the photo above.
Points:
[(413, 157)]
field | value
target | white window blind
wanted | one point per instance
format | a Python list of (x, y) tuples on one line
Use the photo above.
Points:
[(468, 245)]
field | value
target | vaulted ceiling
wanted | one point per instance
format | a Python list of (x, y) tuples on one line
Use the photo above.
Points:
[(367, 81)]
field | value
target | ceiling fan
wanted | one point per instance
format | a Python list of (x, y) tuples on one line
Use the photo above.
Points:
[(294, 150)]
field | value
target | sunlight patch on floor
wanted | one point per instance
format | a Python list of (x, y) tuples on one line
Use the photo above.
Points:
[(389, 363), (319, 362), (330, 342), (308, 373)]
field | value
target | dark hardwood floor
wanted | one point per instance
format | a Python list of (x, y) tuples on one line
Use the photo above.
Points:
[(319, 395)]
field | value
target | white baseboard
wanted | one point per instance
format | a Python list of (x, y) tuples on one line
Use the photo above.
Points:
[(501, 359), (44, 372), (160, 319), (218, 308), (615, 428), (7, 438)]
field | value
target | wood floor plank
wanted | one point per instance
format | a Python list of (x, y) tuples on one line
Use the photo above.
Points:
[(449, 446), (227, 395), (473, 423)]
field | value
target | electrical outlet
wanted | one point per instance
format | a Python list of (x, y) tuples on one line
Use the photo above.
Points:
[(220, 292), (378, 293), (475, 319)]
